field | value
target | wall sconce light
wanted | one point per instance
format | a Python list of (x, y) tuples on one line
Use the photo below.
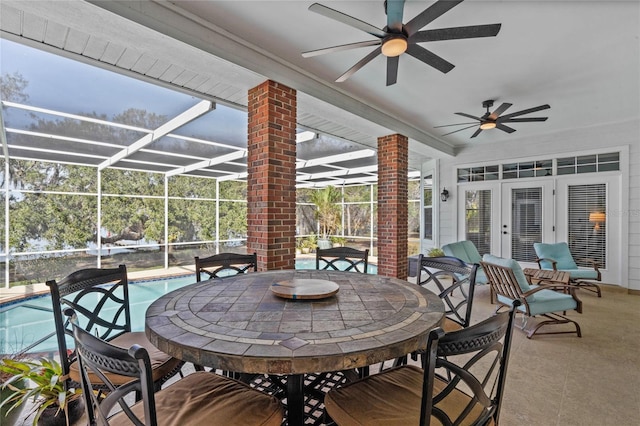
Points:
[(444, 195), (597, 218)]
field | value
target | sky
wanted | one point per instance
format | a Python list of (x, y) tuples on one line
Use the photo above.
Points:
[(63, 84)]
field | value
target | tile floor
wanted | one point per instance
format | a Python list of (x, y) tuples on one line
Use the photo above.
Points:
[(564, 380)]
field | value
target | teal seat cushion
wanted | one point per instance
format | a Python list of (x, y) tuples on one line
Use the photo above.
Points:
[(463, 250), (468, 253), (515, 267), (481, 277), (559, 252), (545, 301), (582, 274)]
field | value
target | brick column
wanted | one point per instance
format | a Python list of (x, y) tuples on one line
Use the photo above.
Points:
[(271, 182), (393, 166)]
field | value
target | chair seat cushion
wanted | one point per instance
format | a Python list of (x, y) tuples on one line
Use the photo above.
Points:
[(205, 398), (582, 274), (161, 363), (449, 325), (391, 398), (546, 301)]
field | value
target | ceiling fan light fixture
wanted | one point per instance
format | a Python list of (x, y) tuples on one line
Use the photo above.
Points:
[(487, 125), (394, 46)]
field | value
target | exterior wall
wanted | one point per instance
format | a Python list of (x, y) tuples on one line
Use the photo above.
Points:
[(271, 181), (569, 143), (393, 166)]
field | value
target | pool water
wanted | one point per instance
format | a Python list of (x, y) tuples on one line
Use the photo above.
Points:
[(26, 323)]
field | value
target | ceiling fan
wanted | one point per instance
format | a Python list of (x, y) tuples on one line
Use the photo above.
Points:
[(397, 38), (494, 120)]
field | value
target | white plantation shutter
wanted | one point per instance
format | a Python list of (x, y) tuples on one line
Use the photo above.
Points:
[(526, 219), (428, 208), (587, 227), (478, 219)]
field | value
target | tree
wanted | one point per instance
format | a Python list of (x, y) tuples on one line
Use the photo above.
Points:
[(233, 214), (13, 86), (328, 211)]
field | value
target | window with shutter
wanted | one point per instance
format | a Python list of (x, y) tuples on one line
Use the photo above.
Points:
[(428, 207), (478, 219), (587, 223)]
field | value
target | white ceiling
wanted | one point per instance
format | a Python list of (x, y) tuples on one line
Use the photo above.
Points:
[(580, 57)]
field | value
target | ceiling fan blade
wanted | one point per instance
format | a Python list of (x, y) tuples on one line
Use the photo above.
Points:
[(464, 114), (505, 128), (476, 133), (523, 120), (502, 108), (429, 58), (346, 19), (456, 124), (459, 130), (456, 33), (434, 11), (394, 9), (364, 61), (340, 48), (392, 70), (526, 111)]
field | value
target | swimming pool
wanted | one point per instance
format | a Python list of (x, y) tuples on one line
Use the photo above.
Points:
[(30, 322)]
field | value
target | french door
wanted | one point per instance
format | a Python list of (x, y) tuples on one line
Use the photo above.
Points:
[(506, 217), (527, 217)]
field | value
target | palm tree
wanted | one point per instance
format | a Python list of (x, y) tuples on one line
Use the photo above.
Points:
[(328, 211)]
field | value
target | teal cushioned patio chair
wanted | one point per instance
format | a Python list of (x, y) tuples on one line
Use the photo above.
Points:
[(558, 257), (468, 253), (551, 301)]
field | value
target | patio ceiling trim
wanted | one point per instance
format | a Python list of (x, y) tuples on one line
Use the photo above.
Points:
[(191, 114)]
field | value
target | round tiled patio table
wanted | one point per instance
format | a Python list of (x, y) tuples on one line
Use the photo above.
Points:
[(238, 324)]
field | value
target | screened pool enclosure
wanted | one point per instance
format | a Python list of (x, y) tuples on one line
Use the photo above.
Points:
[(101, 169)]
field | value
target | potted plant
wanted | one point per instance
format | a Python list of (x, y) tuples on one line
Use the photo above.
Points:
[(308, 243), (435, 252), (53, 402), (328, 212), (9, 417), (338, 241)]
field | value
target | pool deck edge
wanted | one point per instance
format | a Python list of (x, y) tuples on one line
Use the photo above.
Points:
[(25, 291)]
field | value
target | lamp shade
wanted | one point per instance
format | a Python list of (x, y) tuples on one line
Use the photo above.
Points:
[(597, 217)]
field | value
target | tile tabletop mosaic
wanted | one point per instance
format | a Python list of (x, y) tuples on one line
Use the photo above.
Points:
[(238, 324)]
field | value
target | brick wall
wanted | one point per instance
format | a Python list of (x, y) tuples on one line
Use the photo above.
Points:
[(393, 205), (271, 182)]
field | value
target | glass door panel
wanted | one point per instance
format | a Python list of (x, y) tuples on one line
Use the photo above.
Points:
[(527, 218)]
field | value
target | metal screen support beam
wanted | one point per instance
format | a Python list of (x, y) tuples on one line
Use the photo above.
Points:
[(189, 115), (208, 163)]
